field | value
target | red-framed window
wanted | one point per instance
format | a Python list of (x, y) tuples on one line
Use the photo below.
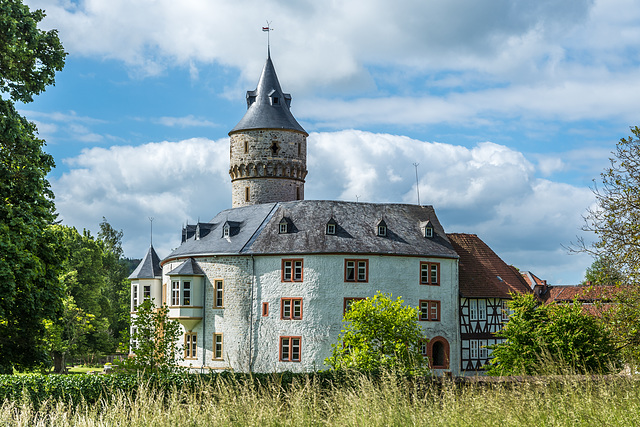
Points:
[(430, 310), (265, 309), (290, 349), (291, 308), (348, 301), (356, 270), (292, 270), (430, 273)]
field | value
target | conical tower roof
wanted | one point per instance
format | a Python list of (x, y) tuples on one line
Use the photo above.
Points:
[(149, 267), (268, 105)]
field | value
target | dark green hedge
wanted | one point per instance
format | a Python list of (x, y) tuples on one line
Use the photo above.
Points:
[(91, 388)]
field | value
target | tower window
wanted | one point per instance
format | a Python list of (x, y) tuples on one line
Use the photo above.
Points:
[(246, 194), (274, 147), (246, 146), (299, 148), (297, 193)]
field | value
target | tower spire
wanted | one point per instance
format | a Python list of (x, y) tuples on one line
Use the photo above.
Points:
[(268, 29)]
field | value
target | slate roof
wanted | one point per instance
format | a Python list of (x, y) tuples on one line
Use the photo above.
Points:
[(481, 272), (356, 229), (262, 113), (188, 268), (258, 230), (248, 220), (149, 267)]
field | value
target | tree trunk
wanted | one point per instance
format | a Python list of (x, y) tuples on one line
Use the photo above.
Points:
[(59, 363)]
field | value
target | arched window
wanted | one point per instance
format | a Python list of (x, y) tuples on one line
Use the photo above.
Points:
[(438, 353)]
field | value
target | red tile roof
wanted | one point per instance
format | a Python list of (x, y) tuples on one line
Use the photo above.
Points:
[(533, 280), (583, 293), (481, 272)]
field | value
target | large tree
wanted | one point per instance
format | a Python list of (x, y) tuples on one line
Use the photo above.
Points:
[(380, 333), (616, 218), (30, 251)]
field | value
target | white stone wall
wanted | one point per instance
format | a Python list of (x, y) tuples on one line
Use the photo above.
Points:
[(232, 321), (323, 289)]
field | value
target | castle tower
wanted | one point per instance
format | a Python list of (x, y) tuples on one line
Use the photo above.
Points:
[(268, 147)]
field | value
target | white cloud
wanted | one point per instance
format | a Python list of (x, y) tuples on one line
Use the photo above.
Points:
[(173, 182), (489, 190), (183, 122), (493, 59)]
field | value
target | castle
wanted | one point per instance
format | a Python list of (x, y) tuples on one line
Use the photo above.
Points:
[(263, 286)]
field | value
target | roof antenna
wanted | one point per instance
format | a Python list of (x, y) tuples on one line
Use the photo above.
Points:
[(151, 221), (268, 29), (417, 182)]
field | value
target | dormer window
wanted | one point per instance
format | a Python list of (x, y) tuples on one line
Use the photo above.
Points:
[(225, 231), (428, 232), (382, 229), (275, 100), (331, 227), (283, 226)]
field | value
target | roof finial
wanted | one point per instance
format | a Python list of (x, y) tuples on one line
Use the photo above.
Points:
[(268, 29), (417, 182), (151, 221)]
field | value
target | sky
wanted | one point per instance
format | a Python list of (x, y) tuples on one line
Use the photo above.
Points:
[(510, 109)]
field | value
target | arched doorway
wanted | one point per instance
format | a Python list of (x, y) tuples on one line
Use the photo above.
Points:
[(438, 353)]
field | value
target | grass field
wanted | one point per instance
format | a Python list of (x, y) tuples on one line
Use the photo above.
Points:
[(611, 401)]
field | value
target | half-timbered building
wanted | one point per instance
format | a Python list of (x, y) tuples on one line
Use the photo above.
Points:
[(485, 283)]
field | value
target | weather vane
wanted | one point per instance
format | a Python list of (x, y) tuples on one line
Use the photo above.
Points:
[(268, 29)]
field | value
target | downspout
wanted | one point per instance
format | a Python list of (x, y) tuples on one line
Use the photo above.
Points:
[(253, 283), (204, 322)]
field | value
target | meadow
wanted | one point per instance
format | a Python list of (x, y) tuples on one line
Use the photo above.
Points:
[(359, 401)]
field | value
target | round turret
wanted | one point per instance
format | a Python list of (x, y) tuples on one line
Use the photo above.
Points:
[(268, 147)]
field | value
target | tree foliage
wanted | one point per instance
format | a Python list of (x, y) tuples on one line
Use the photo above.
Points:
[(30, 250), (155, 337), (616, 218), (380, 333), (29, 57), (544, 338), (94, 280), (65, 334)]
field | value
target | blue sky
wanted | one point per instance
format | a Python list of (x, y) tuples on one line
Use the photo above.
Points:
[(511, 109)]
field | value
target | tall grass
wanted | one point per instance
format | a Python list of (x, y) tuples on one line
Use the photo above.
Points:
[(360, 401)]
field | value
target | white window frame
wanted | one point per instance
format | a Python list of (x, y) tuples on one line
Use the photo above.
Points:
[(134, 301), (473, 309), (175, 293), (482, 309), (483, 351), (187, 301), (473, 349)]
